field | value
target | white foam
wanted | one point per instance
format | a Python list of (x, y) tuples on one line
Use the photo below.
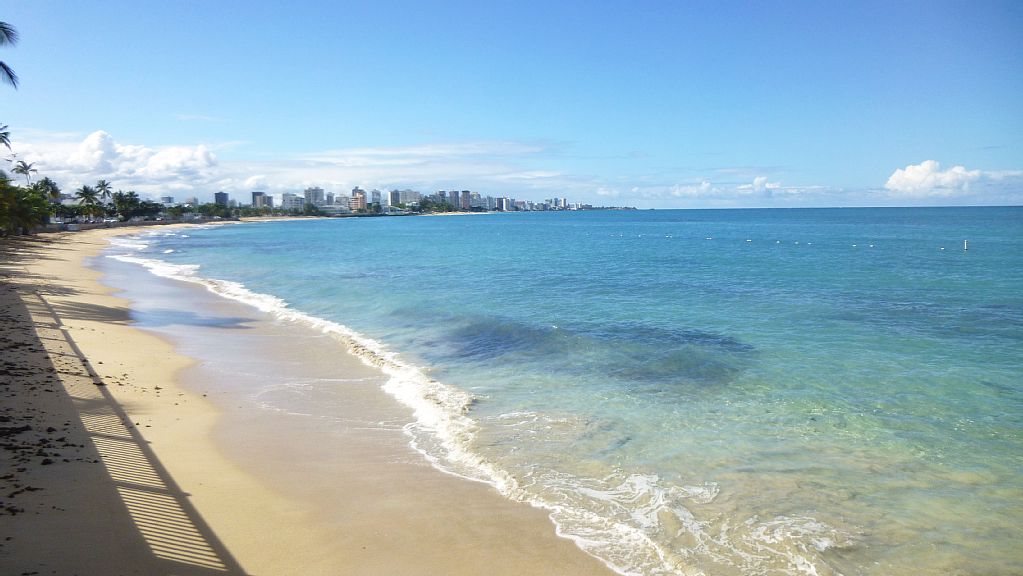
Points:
[(627, 521), (129, 242)]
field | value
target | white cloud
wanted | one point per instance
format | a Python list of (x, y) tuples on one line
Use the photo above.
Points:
[(99, 155), (701, 190), (256, 182), (928, 179)]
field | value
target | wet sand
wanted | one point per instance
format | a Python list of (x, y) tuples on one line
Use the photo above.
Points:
[(145, 453)]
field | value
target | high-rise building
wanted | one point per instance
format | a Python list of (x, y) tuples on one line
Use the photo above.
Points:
[(409, 196), (314, 196), (292, 201), (166, 200), (220, 198), (375, 196), (393, 198), (330, 199), (192, 200), (357, 201), (466, 200), (258, 199)]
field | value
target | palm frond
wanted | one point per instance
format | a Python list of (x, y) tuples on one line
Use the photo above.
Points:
[(7, 75), (8, 35)]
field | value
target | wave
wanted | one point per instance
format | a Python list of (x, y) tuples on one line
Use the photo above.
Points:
[(636, 524)]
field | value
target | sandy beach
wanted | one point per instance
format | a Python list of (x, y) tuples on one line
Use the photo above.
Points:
[(123, 454)]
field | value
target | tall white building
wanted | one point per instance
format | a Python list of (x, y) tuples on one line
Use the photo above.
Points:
[(291, 201), (314, 195)]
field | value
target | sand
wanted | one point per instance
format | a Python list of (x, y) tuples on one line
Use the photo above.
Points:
[(122, 455)]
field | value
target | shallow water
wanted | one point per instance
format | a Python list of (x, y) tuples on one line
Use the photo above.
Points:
[(688, 392)]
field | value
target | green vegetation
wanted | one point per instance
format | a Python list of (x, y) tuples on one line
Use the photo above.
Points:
[(428, 206), (21, 209)]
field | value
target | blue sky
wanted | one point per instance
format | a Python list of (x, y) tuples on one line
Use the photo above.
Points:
[(650, 104)]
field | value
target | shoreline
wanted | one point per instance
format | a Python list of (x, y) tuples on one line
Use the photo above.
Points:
[(236, 490)]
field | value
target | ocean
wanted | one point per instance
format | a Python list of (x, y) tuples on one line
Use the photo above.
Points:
[(804, 391)]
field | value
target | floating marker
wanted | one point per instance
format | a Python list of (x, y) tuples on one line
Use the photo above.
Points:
[(966, 245)]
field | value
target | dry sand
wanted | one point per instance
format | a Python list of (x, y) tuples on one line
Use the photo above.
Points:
[(115, 463)]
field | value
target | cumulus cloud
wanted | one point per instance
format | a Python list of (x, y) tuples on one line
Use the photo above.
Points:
[(701, 190), (928, 179), (99, 155), (256, 182)]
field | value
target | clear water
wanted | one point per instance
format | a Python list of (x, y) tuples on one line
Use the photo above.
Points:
[(688, 392)]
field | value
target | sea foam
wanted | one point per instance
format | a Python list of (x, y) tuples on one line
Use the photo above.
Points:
[(623, 520)]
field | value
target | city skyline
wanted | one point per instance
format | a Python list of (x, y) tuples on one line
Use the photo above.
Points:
[(654, 105)]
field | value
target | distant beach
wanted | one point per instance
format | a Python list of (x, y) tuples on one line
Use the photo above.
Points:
[(126, 457)]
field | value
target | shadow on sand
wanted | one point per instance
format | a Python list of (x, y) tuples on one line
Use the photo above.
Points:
[(156, 514)]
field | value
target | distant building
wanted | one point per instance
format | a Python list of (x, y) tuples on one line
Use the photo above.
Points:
[(314, 195), (292, 201), (409, 196), (259, 199), (192, 200), (375, 197), (166, 200), (466, 200), (221, 198), (330, 199), (393, 198)]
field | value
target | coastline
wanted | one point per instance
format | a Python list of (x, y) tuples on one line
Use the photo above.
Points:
[(125, 467)]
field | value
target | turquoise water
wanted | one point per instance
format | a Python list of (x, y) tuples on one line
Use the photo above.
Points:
[(687, 392)]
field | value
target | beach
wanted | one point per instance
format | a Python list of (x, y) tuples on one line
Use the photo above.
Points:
[(125, 456)]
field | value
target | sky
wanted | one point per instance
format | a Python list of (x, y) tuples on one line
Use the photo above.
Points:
[(647, 104)]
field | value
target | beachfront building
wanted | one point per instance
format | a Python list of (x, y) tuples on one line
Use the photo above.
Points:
[(375, 196), (314, 195), (220, 198), (261, 200), (291, 201), (393, 198), (357, 201), (409, 196)]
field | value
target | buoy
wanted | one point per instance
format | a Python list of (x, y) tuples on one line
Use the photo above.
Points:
[(966, 245)]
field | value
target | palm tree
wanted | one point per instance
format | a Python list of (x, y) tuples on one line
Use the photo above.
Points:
[(8, 36), (5, 136), (103, 189), (48, 188), (25, 169), (86, 196)]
